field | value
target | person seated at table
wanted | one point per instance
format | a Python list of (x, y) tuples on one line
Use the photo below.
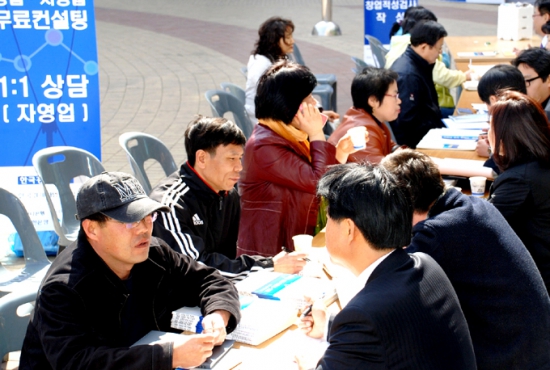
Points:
[(534, 65), (419, 107), (496, 280), (275, 42), (406, 315), (497, 79), (443, 77), (283, 160), (116, 283), (375, 102), (541, 16), (520, 141), (203, 222)]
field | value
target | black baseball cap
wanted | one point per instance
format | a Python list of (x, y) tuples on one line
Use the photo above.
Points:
[(117, 195)]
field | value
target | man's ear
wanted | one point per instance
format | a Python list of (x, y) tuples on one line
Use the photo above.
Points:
[(492, 99), (201, 159), (90, 228)]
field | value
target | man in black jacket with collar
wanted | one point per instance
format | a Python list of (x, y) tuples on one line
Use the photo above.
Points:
[(406, 314), (116, 283), (419, 105), (203, 222), (499, 287)]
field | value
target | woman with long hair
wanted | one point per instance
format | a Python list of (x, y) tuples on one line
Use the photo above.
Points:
[(519, 137), (284, 158), (275, 41)]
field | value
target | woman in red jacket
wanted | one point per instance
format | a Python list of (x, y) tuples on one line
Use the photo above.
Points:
[(284, 158), (375, 102)]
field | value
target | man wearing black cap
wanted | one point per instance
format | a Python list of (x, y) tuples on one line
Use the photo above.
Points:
[(116, 283)]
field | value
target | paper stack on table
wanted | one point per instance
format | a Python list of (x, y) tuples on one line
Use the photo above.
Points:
[(463, 167), (468, 122), (261, 319), (451, 139), (285, 287)]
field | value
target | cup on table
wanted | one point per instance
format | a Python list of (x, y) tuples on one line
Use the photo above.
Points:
[(302, 242), (477, 185), (358, 137)]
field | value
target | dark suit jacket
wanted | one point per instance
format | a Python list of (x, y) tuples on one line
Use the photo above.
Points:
[(497, 283), (406, 317), (522, 195)]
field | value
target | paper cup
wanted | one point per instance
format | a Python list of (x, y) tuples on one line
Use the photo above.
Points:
[(302, 242), (477, 185), (358, 137)]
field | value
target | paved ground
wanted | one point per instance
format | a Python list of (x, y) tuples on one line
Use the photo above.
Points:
[(157, 58)]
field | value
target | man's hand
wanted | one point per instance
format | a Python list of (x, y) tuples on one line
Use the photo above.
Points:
[(192, 350), (289, 263), (331, 114), (313, 324), (215, 324)]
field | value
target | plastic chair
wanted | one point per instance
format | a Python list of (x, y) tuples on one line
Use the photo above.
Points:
[(322, 79), (59, 165), (222, 102), (140, 147), (378, 51), (360, 64), (15, 311), (36, 262), (234, 90)]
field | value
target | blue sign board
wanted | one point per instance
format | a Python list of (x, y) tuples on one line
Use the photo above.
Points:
[(381, 14), (49, 86)]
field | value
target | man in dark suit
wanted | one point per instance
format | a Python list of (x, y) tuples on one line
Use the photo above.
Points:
[(407, 314), (497, 282)]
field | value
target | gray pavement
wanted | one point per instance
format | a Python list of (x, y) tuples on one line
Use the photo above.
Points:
[(158, 58)]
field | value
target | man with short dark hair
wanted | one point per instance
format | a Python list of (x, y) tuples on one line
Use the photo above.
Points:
[(541, 15), (203, 221), (406, 315), (534, 65), (499, 287), (419, 104), (116, 283)]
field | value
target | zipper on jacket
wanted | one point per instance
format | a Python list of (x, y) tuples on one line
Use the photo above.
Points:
[(221, 202)]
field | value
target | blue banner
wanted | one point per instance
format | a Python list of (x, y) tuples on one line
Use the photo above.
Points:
[(49, 85), (381, 14)]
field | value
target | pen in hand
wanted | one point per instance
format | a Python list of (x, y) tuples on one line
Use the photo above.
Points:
[(307, 311)]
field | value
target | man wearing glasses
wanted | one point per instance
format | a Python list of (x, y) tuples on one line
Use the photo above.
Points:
[(534, 65), (116, 283)]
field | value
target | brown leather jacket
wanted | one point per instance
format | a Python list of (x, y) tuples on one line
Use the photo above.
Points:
[(277, 188), (380, 143)]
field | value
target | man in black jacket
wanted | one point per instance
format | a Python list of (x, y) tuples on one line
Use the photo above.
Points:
[(203, 222), (419, 106), (406, 314), (497, 282), (116, 283)]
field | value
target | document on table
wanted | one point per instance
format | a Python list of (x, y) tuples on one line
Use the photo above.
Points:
[(451, 139), (467, 122), (281, 353)]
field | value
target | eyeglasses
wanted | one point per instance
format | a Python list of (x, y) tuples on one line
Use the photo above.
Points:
[(149, 219), (528, 81), (396, 96)]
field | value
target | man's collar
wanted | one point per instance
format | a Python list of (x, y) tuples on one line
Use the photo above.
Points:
[(221, 193)]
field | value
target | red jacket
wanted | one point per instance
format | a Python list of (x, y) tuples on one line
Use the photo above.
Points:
[(277, 188), (380, 143)]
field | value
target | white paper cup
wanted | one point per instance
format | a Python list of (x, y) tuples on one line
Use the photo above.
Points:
[(358, 137), (477, 185), (302, 242)]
